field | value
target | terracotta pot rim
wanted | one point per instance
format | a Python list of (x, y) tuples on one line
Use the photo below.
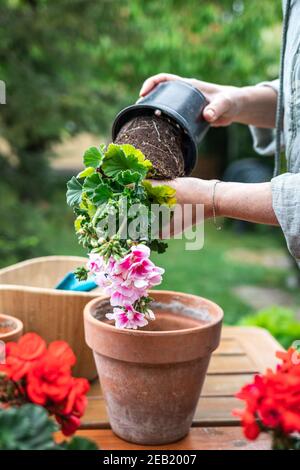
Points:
[(17, 329), (105, 326)]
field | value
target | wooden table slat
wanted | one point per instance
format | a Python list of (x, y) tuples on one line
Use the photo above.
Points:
[(232, 364), (257, 343), (227, 385), (229, 346), (197, 439)]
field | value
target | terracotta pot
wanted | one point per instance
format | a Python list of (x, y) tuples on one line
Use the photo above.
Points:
[(11, 328), (152, 378)]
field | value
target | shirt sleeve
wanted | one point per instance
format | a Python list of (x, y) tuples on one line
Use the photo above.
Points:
[(264, 139), (286, 205)]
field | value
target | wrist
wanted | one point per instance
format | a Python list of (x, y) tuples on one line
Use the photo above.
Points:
[(243, 99), (210, 200), (219, 195)]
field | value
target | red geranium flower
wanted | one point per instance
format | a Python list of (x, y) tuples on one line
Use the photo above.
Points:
[(76, 400), (43, 376), (62, 351), (273, 400), (48, 380), (69, 424), (21, 355)]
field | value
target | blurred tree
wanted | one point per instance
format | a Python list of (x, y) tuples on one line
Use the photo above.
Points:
[(224, 41), (19, 236), (69, 64), (50, 60)]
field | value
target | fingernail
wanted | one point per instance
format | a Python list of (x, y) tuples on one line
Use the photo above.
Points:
[(210, 114)]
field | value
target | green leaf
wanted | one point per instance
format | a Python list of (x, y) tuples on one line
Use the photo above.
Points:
[(158, 246), (128, 177), (29, 427), (81, 273), (160, 194), (131, 150), (96, 190), (102, 194), (91, 183), (86, 172), (120, 158), (93, 157), (87, 205), (79, 443), (74, 192), (26, 428), (78, 221)]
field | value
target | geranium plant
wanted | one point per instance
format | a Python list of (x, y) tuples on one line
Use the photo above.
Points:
[(273, 403), (41, 375), (114, 204)]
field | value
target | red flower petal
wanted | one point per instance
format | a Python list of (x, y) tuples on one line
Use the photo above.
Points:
[(62, 350), (31, 346)]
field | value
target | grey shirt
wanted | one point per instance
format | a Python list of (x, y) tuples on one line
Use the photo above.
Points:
[(286, 187)]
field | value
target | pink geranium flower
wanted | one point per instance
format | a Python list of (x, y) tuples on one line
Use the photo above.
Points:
[(126, 281), (133, 276), (95, 263), (127, 317)]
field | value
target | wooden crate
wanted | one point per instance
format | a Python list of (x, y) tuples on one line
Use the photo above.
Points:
[(27, 291)]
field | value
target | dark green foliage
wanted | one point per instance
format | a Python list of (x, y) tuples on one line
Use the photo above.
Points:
[(50, 59), (78, 443), (29, 427), (19, 237), (26, 428)]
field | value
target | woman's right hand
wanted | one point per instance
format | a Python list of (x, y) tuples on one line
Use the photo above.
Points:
[(225, 102)]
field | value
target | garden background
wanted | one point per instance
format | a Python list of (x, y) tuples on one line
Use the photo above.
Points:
[(70, 65)]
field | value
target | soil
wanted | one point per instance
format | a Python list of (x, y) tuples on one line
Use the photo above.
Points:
[(160, 140)]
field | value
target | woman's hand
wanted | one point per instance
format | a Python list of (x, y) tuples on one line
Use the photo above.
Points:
[(191, 194), (254, 105), (225, 102), (192, 191)]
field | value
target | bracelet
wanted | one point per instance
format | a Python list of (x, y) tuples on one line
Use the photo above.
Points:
[(218, 227)]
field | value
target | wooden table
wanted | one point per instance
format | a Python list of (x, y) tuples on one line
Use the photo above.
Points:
[(243, 352)]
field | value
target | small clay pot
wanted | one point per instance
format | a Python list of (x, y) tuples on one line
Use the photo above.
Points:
[(11, 328), (152, 378)]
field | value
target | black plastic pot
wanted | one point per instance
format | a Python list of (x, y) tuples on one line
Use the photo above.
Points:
[(181, 102)]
